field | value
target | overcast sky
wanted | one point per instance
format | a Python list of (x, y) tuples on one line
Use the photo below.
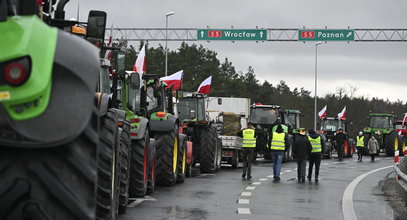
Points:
[(377, 69)]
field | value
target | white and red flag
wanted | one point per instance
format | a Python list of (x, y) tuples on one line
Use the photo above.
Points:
[(140, 64), (322, 113), (108, 53), (174, 80), (205, 86), (342, 114), (404, 119)]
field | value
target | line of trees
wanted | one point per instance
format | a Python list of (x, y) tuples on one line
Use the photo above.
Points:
[(199, 63)]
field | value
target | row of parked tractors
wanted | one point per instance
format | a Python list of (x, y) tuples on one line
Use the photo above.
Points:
[(80, 136)]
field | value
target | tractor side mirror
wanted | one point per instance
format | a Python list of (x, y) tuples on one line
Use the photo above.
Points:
[(96, 26), (135, 80), (120, 62)]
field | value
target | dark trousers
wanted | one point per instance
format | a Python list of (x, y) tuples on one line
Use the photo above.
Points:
[(372, 156), (301, 163), (340, 151), (247, 160), (361, 151), (314, 159)]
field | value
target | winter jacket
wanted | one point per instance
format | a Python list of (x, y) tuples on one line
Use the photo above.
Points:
[(341, 137), (373, 146), (301, 147)]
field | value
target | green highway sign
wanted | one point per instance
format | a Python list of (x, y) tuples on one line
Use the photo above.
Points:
[(232, 34), (326, 35)]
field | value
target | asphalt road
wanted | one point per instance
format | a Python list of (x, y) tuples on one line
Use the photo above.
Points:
[(226, 196)]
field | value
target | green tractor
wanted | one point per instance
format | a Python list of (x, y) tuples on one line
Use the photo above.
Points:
[(171, 147), (207, 147), (290, 119), (49, 120), (382, 127)]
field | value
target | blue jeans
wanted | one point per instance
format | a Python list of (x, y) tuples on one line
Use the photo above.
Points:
[(277, 157)]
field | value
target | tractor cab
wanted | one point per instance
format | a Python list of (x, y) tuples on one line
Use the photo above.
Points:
[(192, 108), (156, 97)]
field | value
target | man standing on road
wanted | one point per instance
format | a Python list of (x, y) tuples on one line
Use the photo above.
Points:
[(278, 143), (301, 148), (249, 144), (316, 153), (340, 138), (360, 145), (373, 147)]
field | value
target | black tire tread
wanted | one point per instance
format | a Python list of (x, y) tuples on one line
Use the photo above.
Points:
[(164, 163), (125, 153), (208, 150), (138, 185)]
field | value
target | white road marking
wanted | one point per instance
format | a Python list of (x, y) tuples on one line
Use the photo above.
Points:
[(347, 199), (139, 200), (243, 211), (287, 171), (256, 183), (338, 162), (263, 179), (250, 188), (248, 194), (270, 176), (244, 201)]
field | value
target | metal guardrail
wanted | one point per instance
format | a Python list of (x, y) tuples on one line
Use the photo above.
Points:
[(401, 176)]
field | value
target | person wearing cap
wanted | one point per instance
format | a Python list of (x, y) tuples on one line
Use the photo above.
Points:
[(278, 143), (315, 155), (249, 144), (301, 148), (360, 145), (340, 138)]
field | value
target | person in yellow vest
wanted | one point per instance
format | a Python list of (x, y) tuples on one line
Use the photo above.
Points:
[(249, 144), (315, 155), (360, 145), (278, 143)]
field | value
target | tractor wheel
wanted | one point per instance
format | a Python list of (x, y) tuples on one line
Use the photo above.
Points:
[(389, 143), (125, 154), (402, 144), (208, 150), (166, 164), (219, 155), (51, 183), (151, 170), (182, 161), (108, 186), (329, 153), (138, 168), (235, 160)]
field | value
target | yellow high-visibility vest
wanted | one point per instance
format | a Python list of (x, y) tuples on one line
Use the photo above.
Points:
[(360, 141), (249, 141), (316, 144), (278, 142)]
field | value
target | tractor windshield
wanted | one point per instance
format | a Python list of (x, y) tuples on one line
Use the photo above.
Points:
[(380, 122), (151, 99), (191, 109), (134, 99), (330, 125), (263, 115), (104, 84), (292, 120)]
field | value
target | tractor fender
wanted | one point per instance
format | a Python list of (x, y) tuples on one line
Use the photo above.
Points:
[(121, 114), (141, 130), (75, 74), (103, 101), (163, 125)]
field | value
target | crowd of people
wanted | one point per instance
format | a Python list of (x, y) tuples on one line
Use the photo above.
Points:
[(307, 146)]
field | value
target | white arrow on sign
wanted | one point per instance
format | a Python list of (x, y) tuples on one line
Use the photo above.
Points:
[(350, 33), (202, 34), (261, 34)]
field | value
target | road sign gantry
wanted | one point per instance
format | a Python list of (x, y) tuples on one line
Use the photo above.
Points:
[(273, 34)]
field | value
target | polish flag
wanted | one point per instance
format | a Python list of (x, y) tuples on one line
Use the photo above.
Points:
[(108, 53), (205, 86), (140, 65), (322, 113), (342, 114), (174, 80), (404, 119)]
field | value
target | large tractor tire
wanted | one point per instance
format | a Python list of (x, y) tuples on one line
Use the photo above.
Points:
[(402, 144), (151, 168), (207, 159), (182, 161), (139, 166), (125, 154), (219, 155), (389, 142), (108, 186), (167, 147), (51, 183)]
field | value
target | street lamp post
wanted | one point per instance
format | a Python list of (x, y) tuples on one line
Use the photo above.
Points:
[(315, 95), (166, 39)]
